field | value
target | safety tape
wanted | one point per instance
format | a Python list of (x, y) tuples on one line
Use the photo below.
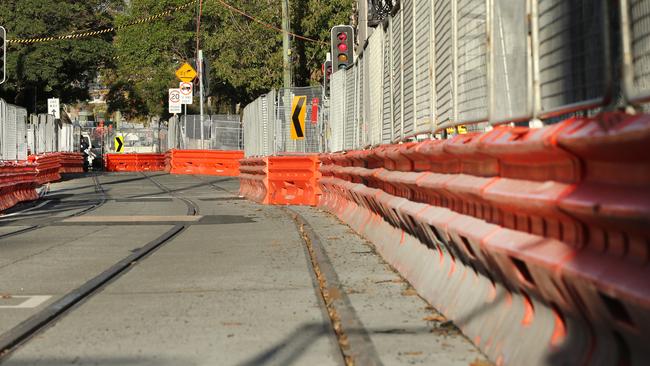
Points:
[(102, 31)]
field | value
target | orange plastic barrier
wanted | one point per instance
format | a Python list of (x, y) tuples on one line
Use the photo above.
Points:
[(48, 167), (71, 162), (17, 183), (536, 242), (135, 162), (281, 180), (204, 162)]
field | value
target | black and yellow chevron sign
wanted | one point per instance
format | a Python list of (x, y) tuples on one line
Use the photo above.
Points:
[(119, 144), (298, 114)]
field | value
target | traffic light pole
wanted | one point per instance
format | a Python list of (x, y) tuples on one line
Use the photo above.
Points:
[(286, 46), (200, 67)]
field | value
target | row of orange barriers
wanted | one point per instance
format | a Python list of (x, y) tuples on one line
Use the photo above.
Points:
[(535, 242), (200, 162), (19, 180), (204, 162), (281, 180), (17, 183), (48, 167), (71, 162), (134, 162)]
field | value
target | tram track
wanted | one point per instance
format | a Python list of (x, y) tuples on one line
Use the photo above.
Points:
[(26, 330), (353, 339), (93, 207)]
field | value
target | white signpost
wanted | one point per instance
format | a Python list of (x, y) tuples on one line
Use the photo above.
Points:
[(54, 108), (175, 105), (187, 96)]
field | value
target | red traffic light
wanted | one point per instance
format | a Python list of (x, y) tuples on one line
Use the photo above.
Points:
[(342, 47), (342, 37)]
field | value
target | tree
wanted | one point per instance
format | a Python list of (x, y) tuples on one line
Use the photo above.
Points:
[(314, 19), (147, 56), (245, 56), (62, 68)]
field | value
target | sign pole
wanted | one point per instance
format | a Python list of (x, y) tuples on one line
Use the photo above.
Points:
[(200, 66), (185, 128)]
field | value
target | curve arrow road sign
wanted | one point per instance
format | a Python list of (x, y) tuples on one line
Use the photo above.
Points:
[(298, 113), (119, 144)]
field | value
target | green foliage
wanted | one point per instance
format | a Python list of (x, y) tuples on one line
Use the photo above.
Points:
[(148, 54), (245, 57), (60, 69), (315, 18)]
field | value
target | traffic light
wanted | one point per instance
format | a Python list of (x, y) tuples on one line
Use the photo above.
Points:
[(342, 47), (3, 55), (327, 76)]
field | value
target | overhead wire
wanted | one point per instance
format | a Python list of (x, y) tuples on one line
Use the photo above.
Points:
[(267, 25), (151, 18), (87, 34)]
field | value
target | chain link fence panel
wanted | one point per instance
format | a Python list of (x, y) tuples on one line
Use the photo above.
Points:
[(572, 56), (408, 61), (424, 98), (511, 60), (375, 58), (313, 141), (471, 61), (635, 32)]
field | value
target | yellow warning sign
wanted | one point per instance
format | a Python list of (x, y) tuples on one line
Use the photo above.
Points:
[(451, 130), (186, 73), (119, 144), (298, 114), (462, 130)]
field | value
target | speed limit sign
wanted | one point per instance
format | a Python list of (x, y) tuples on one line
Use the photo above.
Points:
[(175, 105)]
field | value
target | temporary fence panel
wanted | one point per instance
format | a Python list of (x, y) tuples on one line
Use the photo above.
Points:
[(174, 140), (396, 49), (408, 83), (39, 123), (66, 138), (51, 134), (312, 141), (424, 96), (31, 139), (387, 98), (511, 91), (572, 55), (350, 107), (9, 149), (375, 72), (251, 121), (76, 137), (444, 48), (471, 58), (192, 127), (21, 133), (225, 132), (635, 21), (268, 133), (152, 139), (362, 95), (337, 110)]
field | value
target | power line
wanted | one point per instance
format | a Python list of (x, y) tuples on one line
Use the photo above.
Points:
[(267, 25), (102, 31), (156, 17)]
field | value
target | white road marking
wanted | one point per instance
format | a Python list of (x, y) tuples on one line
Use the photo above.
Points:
[(30, 303)]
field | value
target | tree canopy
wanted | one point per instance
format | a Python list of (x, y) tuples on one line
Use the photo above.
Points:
[(137, 63), (62, 68)]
